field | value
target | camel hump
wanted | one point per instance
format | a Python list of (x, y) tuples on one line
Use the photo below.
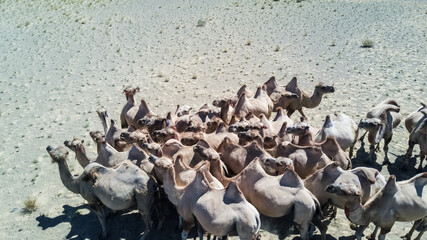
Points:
[(291, 179), (292, 85), (241, 90), (240, 102), (233, 193), (258, 91), (145, 105), (390, 186), (328, 122)]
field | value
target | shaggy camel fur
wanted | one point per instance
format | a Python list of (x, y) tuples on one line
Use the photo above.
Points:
[(418, 136), (398, 201), (130, 103), (262, 190), (343, 128), (379, 122), (116, 188), (260, 103), (330, 147), (368, 180), (306, 159), (413, 119), (237, 157), (303, 100)]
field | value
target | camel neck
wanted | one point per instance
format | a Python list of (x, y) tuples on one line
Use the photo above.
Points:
[(355, 213), (67, 178), (82, 158), (313, 101)]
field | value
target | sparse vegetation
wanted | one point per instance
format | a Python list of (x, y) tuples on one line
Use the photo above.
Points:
[(367, 43), (30, 205), (277, 48), (201, 23)]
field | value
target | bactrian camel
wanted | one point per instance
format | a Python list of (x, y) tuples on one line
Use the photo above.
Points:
[(116, 188)]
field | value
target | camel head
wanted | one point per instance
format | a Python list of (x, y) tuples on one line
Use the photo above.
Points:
[(76, 145), (277, 166), (58, 154), (341, 189), (250, 136), (323, 88), (153, 148), (130, 91), (222, 102), (96, 136), (102, 113), (151, 121), (298, 129), (135, 137), (183, 110), (374, 125), (164, 134), (206, 153), (213, 124), (191, 138)]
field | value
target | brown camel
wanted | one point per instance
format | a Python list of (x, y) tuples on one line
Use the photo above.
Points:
[(259, 104)]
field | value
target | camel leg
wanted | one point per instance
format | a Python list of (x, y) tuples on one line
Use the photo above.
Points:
[(200, 231), (363, 136), (371, 154), (420, 167), (301, 112), (374, 233), (423, 229), (408, 155), (354, 143), (101, 213), (414, 226), (383, 233), (186, 227), (290, 112), (359, 231), (386, 160)]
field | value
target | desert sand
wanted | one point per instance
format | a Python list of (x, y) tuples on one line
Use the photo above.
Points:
[(61, 60)]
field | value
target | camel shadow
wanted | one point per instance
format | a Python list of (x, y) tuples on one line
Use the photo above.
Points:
[(360, 160), (403, 174), (120, 225)]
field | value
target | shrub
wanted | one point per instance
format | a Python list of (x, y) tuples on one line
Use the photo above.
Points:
[(366, 43)]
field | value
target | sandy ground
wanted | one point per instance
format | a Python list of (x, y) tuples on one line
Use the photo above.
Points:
[(61, 60)]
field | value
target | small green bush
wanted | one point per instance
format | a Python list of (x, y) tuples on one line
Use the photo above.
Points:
[(366, 43)]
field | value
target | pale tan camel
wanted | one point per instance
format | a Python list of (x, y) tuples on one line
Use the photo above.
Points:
[(250, 121), (237, 157), (139, 137), (379, 124), (250, 136), (418, 136), (330, 147), (116, 188), (343, 128), (98, 138), (412, 120), (368, 180), (232, 212), (276, 196), (103, 116), (260, 103), (180, 120), (137, 112), (213, 139), (299, 129), (113, 138), (76, 145), (303, 100), (226, 111), (151, 123), (398, 201), (234, 99), (130, 103), (273, 140), (279, 95), (306, 159)]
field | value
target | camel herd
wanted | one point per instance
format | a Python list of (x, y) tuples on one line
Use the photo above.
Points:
[(243, 157)]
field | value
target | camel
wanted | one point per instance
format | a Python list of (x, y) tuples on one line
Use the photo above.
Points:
[(262, 190), (402, 201), (250, 121), (413, 119), (278, 94), (203, 115), (103, 116), (343, 128), (330, 147), (237, 157), (272, 127), (306, 159), (98, 138), (418, 136), (226, 107), (368, 180), (250, 136), (151, 123), (260, 103), (130, 103), (213, 139), (233, 100), (180, 120), (303, 100), (113, 137), (299, 129), (194, 198), (379, 122), (137, 112), (139, 137), (116, 188), (76, 145)]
